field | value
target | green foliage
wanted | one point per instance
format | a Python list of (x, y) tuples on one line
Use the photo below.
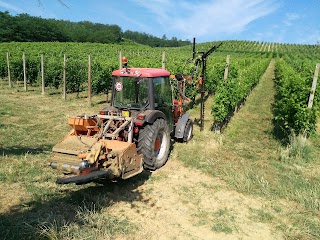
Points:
[(215, 73), (3, 66), (20, 28), (33, 67), (147, 39), (243, 76), (53, 72), (16, 69), (76, 74), (291, 112), (101, 77)]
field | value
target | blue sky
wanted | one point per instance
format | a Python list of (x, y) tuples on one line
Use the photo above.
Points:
[(285, 21)]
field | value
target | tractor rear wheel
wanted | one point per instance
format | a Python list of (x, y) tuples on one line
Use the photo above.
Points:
[(154, 144)]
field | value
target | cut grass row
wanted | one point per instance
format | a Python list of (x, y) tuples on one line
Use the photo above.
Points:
[(249, 159)]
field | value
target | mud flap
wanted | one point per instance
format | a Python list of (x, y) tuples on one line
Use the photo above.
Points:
[(181, 124)]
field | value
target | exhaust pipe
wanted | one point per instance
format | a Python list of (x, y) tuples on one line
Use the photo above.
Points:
[(66, 167)]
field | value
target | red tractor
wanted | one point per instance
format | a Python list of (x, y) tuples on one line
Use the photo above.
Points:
[(132, 134), (135, 132)]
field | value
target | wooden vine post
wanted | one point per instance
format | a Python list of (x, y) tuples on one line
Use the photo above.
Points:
[(89, 80), (164, 60), (9, 75), (314, 85), (42, 76), (64, 94), (226, 69), (120, 60), (24, 71)]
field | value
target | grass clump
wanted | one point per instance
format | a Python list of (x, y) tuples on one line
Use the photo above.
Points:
[(91, 222), (224, 221), (222, 227), (261, 215), (298, 148)]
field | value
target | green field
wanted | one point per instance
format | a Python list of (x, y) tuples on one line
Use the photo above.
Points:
[(245, 183)]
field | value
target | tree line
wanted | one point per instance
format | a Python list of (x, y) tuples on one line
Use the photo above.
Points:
[(26, 28)]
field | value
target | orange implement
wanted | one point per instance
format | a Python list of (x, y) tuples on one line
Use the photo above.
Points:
[(83, 125)]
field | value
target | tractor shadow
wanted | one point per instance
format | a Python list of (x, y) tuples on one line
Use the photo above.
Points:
[(18, 150), (196, 102), (60, 209)]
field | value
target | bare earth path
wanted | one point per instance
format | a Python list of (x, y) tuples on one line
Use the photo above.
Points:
[(182, 203)]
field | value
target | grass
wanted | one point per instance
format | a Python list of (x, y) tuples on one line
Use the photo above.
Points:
[(90, 223), (246, 156), (224, 221), (222, 227), (250, 159), (261, 215), (298, 148)]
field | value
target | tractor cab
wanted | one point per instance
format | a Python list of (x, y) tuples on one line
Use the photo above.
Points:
[(143, 90)]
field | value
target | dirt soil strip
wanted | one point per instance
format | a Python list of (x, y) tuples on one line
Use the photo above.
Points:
[(181, 203)]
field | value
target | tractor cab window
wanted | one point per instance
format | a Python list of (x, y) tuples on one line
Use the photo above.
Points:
[(162, 92), (129, 92)]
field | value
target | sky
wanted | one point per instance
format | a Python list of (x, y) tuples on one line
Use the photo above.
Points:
[(280, 21)]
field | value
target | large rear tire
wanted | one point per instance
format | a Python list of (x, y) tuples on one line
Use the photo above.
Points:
[(154, 144)]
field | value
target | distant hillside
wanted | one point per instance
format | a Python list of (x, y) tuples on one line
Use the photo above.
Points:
[(253, 47), (26, 28)]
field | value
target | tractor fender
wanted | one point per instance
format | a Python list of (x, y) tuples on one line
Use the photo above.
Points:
[(181, 124), (152, 115)]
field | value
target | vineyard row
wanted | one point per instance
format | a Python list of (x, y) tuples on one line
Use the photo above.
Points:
[(293, 78), (292, 109)]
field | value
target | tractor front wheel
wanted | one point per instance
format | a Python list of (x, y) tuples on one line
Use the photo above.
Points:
[(154, 144)]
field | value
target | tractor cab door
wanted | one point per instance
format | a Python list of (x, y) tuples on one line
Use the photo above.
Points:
[(163, 98)]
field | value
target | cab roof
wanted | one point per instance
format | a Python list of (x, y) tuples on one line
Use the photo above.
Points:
[(141, 72)]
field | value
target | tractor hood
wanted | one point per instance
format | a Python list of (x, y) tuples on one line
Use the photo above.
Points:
[(141, 72)]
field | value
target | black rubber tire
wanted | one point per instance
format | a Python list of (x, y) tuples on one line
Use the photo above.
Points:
[(153, 159), (188, 131)]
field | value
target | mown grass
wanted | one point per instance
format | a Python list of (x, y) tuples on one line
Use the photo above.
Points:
[(32, 206), (252, 161), (245, 155)]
